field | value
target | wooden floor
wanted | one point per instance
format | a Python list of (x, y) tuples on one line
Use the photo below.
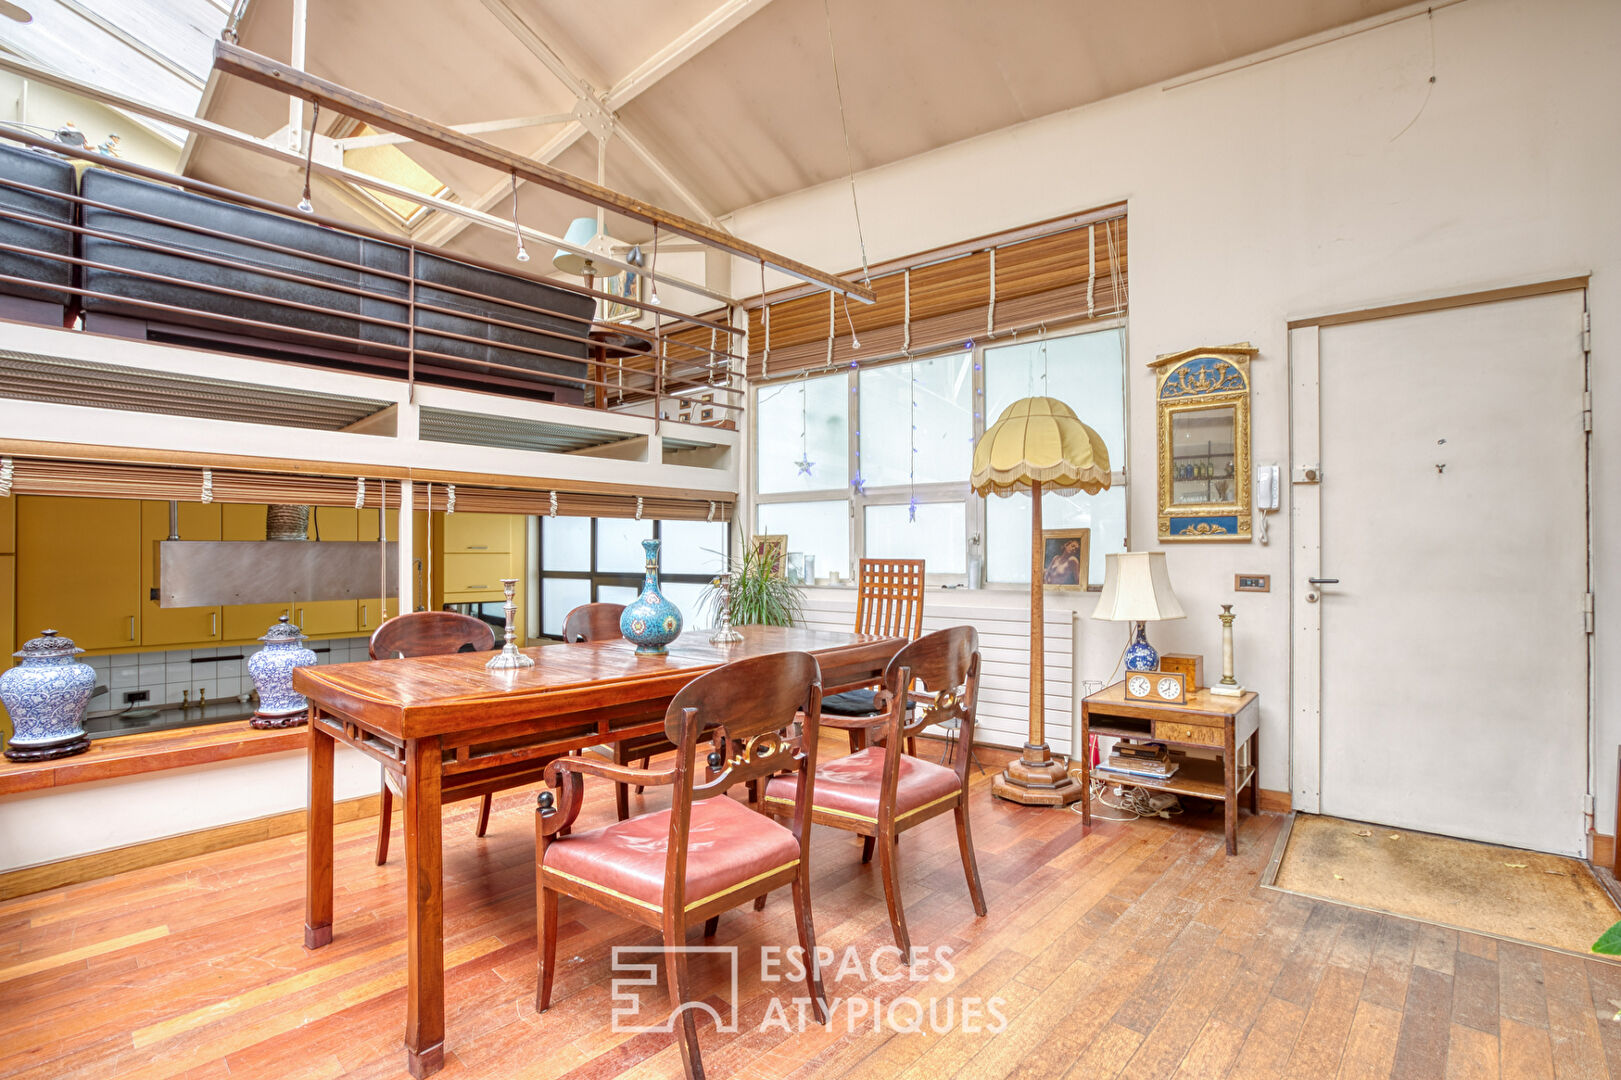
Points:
[(1139, 950)]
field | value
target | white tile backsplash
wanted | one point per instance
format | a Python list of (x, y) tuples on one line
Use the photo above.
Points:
[(222, 672)]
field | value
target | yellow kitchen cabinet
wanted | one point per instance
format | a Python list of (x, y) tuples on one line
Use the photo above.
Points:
[(170, 627), (78, 569), (372, 611), (8, 525), (323, 618), (476, 533), (8, 622), (473, 576), (245, 622)]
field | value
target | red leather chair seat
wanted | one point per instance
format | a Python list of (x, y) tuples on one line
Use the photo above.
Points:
[(729, 844), (849, 786)]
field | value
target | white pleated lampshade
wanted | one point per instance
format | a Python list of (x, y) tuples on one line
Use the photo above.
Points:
[(1137, 588), (581, 231)]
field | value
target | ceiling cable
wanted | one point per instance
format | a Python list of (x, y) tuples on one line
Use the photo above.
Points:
[(305, 204), (849, 158), (523, 256)]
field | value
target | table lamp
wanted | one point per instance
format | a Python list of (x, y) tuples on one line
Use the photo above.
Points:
[(1137, 589), (1038, 444)]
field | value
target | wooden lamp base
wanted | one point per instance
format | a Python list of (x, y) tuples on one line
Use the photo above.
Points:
[(1037, 780)]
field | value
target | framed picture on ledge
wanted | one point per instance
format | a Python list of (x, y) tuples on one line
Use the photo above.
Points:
[(1065, 558)]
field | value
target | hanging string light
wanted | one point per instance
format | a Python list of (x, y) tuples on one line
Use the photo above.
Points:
[(911, 507), (304, 204), (523, 255), (804, 464)]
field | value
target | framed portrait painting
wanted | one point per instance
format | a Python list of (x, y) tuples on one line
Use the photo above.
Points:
[(1065, 558)]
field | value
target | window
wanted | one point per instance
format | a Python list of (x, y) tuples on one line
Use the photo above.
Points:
[(906, 432), (600, 560), (389, 162)]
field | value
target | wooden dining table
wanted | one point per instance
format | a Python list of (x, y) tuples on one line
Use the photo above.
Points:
[(444, 724)]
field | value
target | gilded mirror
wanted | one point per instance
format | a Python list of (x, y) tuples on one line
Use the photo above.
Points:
[(1203, 398)]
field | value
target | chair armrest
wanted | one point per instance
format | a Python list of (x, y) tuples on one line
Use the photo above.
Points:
[(619, 774)]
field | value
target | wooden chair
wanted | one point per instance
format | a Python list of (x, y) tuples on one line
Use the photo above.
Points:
[(600, 622), (880, 792), (427, 633), (708, 853), (889, 600)]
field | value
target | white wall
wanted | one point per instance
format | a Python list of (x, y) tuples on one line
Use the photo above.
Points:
[(1287, 189), (59, 823), (49, 107)]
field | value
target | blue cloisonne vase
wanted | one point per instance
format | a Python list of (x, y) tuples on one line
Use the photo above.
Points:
[(1140, 655), (272, 670), (46, 696), (650, 622)]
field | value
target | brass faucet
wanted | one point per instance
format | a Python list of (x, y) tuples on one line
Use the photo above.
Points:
[(185, 700), (202, 698)]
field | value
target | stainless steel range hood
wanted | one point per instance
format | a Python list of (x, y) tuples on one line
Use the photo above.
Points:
[(204, 573)]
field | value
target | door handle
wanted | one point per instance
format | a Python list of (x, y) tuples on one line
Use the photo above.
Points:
[(132, 628), (214, 624), (1323, 580), (363, 616)]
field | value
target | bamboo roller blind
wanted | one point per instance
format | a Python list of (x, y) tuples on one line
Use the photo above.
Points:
[(1079, 272), (185, 483)]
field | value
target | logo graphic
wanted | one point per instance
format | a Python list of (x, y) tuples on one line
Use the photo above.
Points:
[(631, 1015)]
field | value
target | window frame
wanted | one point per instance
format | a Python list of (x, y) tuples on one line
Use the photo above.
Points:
[(974, 517), (599, 578)]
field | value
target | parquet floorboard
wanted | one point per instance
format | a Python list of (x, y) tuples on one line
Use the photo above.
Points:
[(1133, 950)]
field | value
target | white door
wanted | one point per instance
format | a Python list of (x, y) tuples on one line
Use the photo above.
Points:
[(1453, 512)]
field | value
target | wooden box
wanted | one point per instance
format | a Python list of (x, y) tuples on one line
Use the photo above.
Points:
[(1188, 665)]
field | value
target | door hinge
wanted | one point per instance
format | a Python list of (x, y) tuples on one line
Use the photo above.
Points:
[(1587, 331), (1587, 611), (1587, 411)]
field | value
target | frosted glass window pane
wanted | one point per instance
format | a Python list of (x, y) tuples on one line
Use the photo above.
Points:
[(619, 545), (685, 595), (1084, 371), (943, 416), (565, 543), (821, 529), (692, 547), (617, 594), (806, 418), (1007, 530), (937, 536), (558, 597)]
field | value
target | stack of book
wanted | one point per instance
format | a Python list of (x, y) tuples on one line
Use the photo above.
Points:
[(1151, 761)]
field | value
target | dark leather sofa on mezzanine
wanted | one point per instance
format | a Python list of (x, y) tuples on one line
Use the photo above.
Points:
[(19, 300), (335, 327)]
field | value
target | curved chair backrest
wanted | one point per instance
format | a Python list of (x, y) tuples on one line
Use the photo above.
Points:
[(946, 664), (431, 633), (730, 726), (592, 622)]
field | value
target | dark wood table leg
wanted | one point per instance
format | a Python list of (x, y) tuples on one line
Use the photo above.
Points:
[(425, 916), (318, 841), (1229, 808), (1255, 776)]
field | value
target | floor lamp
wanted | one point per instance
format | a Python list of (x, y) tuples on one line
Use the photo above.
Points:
[(1038, 445)]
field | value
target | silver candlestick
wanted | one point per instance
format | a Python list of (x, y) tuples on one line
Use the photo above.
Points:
[(509, 657), (724, 634)]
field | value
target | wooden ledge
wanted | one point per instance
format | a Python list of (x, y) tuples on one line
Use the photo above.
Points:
[(153, 751)]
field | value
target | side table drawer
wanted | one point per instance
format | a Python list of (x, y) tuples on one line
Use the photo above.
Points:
[(1198, 734)]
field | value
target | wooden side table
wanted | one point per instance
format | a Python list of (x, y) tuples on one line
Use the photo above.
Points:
[(1207, 721)]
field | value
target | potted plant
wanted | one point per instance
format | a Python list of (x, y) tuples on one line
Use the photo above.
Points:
[(761, 593)]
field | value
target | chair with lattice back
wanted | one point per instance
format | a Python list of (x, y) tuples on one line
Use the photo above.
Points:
[(889, 601)]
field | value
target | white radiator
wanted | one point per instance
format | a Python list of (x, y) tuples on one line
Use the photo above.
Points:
[(1004, 644)]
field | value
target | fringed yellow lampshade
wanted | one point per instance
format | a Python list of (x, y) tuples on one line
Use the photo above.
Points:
[(1040, 440), (1038, 445)]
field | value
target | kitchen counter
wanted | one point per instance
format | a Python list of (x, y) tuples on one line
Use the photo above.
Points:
[(167, 718)]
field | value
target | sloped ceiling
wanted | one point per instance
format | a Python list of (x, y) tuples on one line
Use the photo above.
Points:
[(753, 114)]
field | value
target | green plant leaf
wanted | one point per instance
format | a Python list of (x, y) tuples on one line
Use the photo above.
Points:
[(1609, 942), (759, 597)]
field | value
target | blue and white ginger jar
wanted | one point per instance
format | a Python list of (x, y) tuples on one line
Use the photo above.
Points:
[(46, 696), (272, 670), (651, 621)]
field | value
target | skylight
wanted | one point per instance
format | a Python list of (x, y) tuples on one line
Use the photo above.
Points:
[(389, 162)]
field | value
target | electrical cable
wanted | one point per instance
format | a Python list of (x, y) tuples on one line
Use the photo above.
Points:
[(849, 157)]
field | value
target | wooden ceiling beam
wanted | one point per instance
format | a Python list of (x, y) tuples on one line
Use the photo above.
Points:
[(263, 71)]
